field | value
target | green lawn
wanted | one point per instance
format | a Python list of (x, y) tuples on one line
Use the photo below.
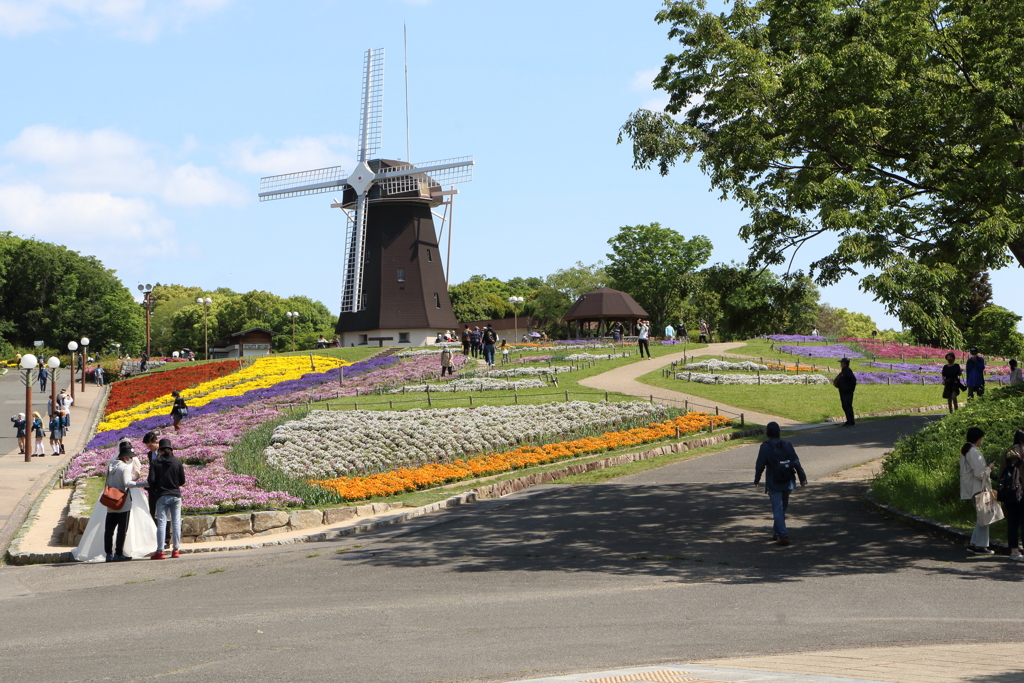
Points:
[(813, 403)]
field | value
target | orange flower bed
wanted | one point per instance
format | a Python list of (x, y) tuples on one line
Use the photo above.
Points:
[(411, 479)]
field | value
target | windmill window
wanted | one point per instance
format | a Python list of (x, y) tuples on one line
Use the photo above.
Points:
[(403, 337), (430, 256), (363, 341), (401, 274), (437, 300)]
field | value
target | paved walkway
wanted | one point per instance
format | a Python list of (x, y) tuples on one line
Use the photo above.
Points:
[(20, 481), (624, 380)]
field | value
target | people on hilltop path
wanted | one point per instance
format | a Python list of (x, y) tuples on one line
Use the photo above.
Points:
[(489, 338), (976, 486), (1011, 494), (642, 338), (44, 374), (780, 460), (951, 385), (166, 477), (37, 433), (21, 425), (975, 368), (846, 383), (670, 332), (474, 342), (1015, 374), (446, 362), (179, 410), (703, 332)]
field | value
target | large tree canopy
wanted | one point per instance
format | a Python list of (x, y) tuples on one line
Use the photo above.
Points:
[(896, 126)]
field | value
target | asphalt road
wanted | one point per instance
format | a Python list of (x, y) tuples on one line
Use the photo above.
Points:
[(666, 566)]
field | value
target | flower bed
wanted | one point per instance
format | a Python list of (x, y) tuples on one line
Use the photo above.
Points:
[(434, 474), (597, 356), (827, 351), (795, 338), (532, 359), (332, 444), (525, 372), (882, 349), (130, 393), (435, 351), (482, 384), (752, 379), (713, 364)]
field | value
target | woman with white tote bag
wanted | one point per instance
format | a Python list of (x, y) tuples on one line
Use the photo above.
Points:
[(976, 485)]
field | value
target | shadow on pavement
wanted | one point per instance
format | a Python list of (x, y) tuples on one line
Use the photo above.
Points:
[(690, 532)]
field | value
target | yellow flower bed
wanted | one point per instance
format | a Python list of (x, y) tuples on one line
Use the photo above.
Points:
[(265, 372)]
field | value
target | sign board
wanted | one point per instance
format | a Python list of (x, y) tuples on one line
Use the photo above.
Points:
[(37, 343), (255, 346)]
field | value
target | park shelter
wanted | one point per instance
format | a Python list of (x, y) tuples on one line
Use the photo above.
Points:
[(255, 341), (595, 312)]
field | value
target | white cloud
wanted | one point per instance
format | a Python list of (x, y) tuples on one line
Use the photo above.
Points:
[(643, 80), (190, 185), (84, 218), (295, 154), (133, 19)]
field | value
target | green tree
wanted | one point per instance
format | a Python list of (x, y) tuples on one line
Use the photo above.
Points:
[(578, 280), (650, 263), (755, 302), (994, 331), (895, 126), (480, 298), (839, 322)]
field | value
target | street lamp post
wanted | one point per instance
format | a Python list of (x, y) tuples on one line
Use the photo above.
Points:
[(72, 347), (85, 358), (53, 363), (515, 301), (28, 364), (206, 323), (147, 303), (294, 316)]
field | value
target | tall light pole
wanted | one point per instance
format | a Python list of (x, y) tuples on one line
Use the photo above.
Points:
[(53, 363), (206, 323), (28, 364), (85, 358), (147, 303), (515, 301), (72, 347), (294, 316)]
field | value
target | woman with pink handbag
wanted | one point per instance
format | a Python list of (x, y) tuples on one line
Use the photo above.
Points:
[(976, 485)]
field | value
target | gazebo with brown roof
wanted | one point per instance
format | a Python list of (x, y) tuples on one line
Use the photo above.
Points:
[(605, 306)]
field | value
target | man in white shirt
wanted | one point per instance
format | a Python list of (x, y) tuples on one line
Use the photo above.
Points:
[(644, 331)]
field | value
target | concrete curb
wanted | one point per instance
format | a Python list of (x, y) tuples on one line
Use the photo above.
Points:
[(943, 531), (490, 491)]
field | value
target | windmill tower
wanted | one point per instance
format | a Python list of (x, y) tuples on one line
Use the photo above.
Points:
[(393, 283)]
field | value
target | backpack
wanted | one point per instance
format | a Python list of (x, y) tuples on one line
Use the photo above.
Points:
[(780, 464), (1009, 489)]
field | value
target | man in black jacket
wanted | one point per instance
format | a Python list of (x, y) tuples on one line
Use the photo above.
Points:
[(846, 383), (166, 477)]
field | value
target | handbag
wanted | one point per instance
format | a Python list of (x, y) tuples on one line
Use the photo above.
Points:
[(113, 498), (989, 510)]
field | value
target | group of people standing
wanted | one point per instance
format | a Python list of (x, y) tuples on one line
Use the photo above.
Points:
[(973, 374), (976, 486), (59, 414), (477, 342), (113, 533)]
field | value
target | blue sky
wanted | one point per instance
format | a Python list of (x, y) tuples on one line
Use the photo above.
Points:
[(138, 131)]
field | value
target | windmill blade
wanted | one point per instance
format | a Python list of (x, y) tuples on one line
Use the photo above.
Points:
[(408, 177), (302, 183), (355, 247), (371, 114)]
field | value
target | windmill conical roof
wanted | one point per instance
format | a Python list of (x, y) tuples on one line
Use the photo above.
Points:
[(605, 303)]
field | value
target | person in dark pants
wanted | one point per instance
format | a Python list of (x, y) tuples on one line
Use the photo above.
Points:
[(489, 338), (783, 465), (474, 342), (974, 368), (44, 374), (643, 338), (119, 476), (951, 382), (179, 411), (846, 383), (1011, 494), (446, 362), (465, 341), (166, 477)]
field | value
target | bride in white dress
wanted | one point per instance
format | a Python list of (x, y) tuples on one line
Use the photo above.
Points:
[(140, 539)]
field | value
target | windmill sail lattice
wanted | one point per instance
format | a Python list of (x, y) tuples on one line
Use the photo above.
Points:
[(392, 179)]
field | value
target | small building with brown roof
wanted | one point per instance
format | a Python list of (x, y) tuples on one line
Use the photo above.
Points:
[(601, 309)]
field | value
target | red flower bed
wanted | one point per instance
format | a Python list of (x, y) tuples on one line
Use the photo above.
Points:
[(131, 392)]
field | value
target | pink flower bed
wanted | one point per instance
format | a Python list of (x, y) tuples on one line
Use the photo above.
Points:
[(891, 350)]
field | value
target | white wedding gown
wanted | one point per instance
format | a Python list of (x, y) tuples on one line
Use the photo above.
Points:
[(139, 542)]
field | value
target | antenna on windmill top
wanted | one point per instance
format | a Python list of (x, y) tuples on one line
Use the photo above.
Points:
[(390, 177)]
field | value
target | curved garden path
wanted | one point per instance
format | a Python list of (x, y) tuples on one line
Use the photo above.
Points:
[(624, 380)]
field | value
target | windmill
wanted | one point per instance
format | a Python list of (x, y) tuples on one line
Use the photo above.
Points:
[(389, 268)]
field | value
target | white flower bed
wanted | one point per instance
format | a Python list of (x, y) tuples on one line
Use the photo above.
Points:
[(435, 351), (596, 356), (752, 379), (347, 443), (525, 372), (482, 384), (712, 364)]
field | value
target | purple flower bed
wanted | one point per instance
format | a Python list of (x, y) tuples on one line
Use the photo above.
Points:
[(827, 351), (212, 430), (909, 378), (669, 343), (795, 338), (908, 367)]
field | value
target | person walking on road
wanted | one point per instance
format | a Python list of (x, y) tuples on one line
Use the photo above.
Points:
[(975, 482), (703, 338), (166, 477), (446, 362), (465, 341), (951, 382), (489, 338), (1011, 494), (846, 383), (975, 368), (642, 338), (44, 374), (780, 460)]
